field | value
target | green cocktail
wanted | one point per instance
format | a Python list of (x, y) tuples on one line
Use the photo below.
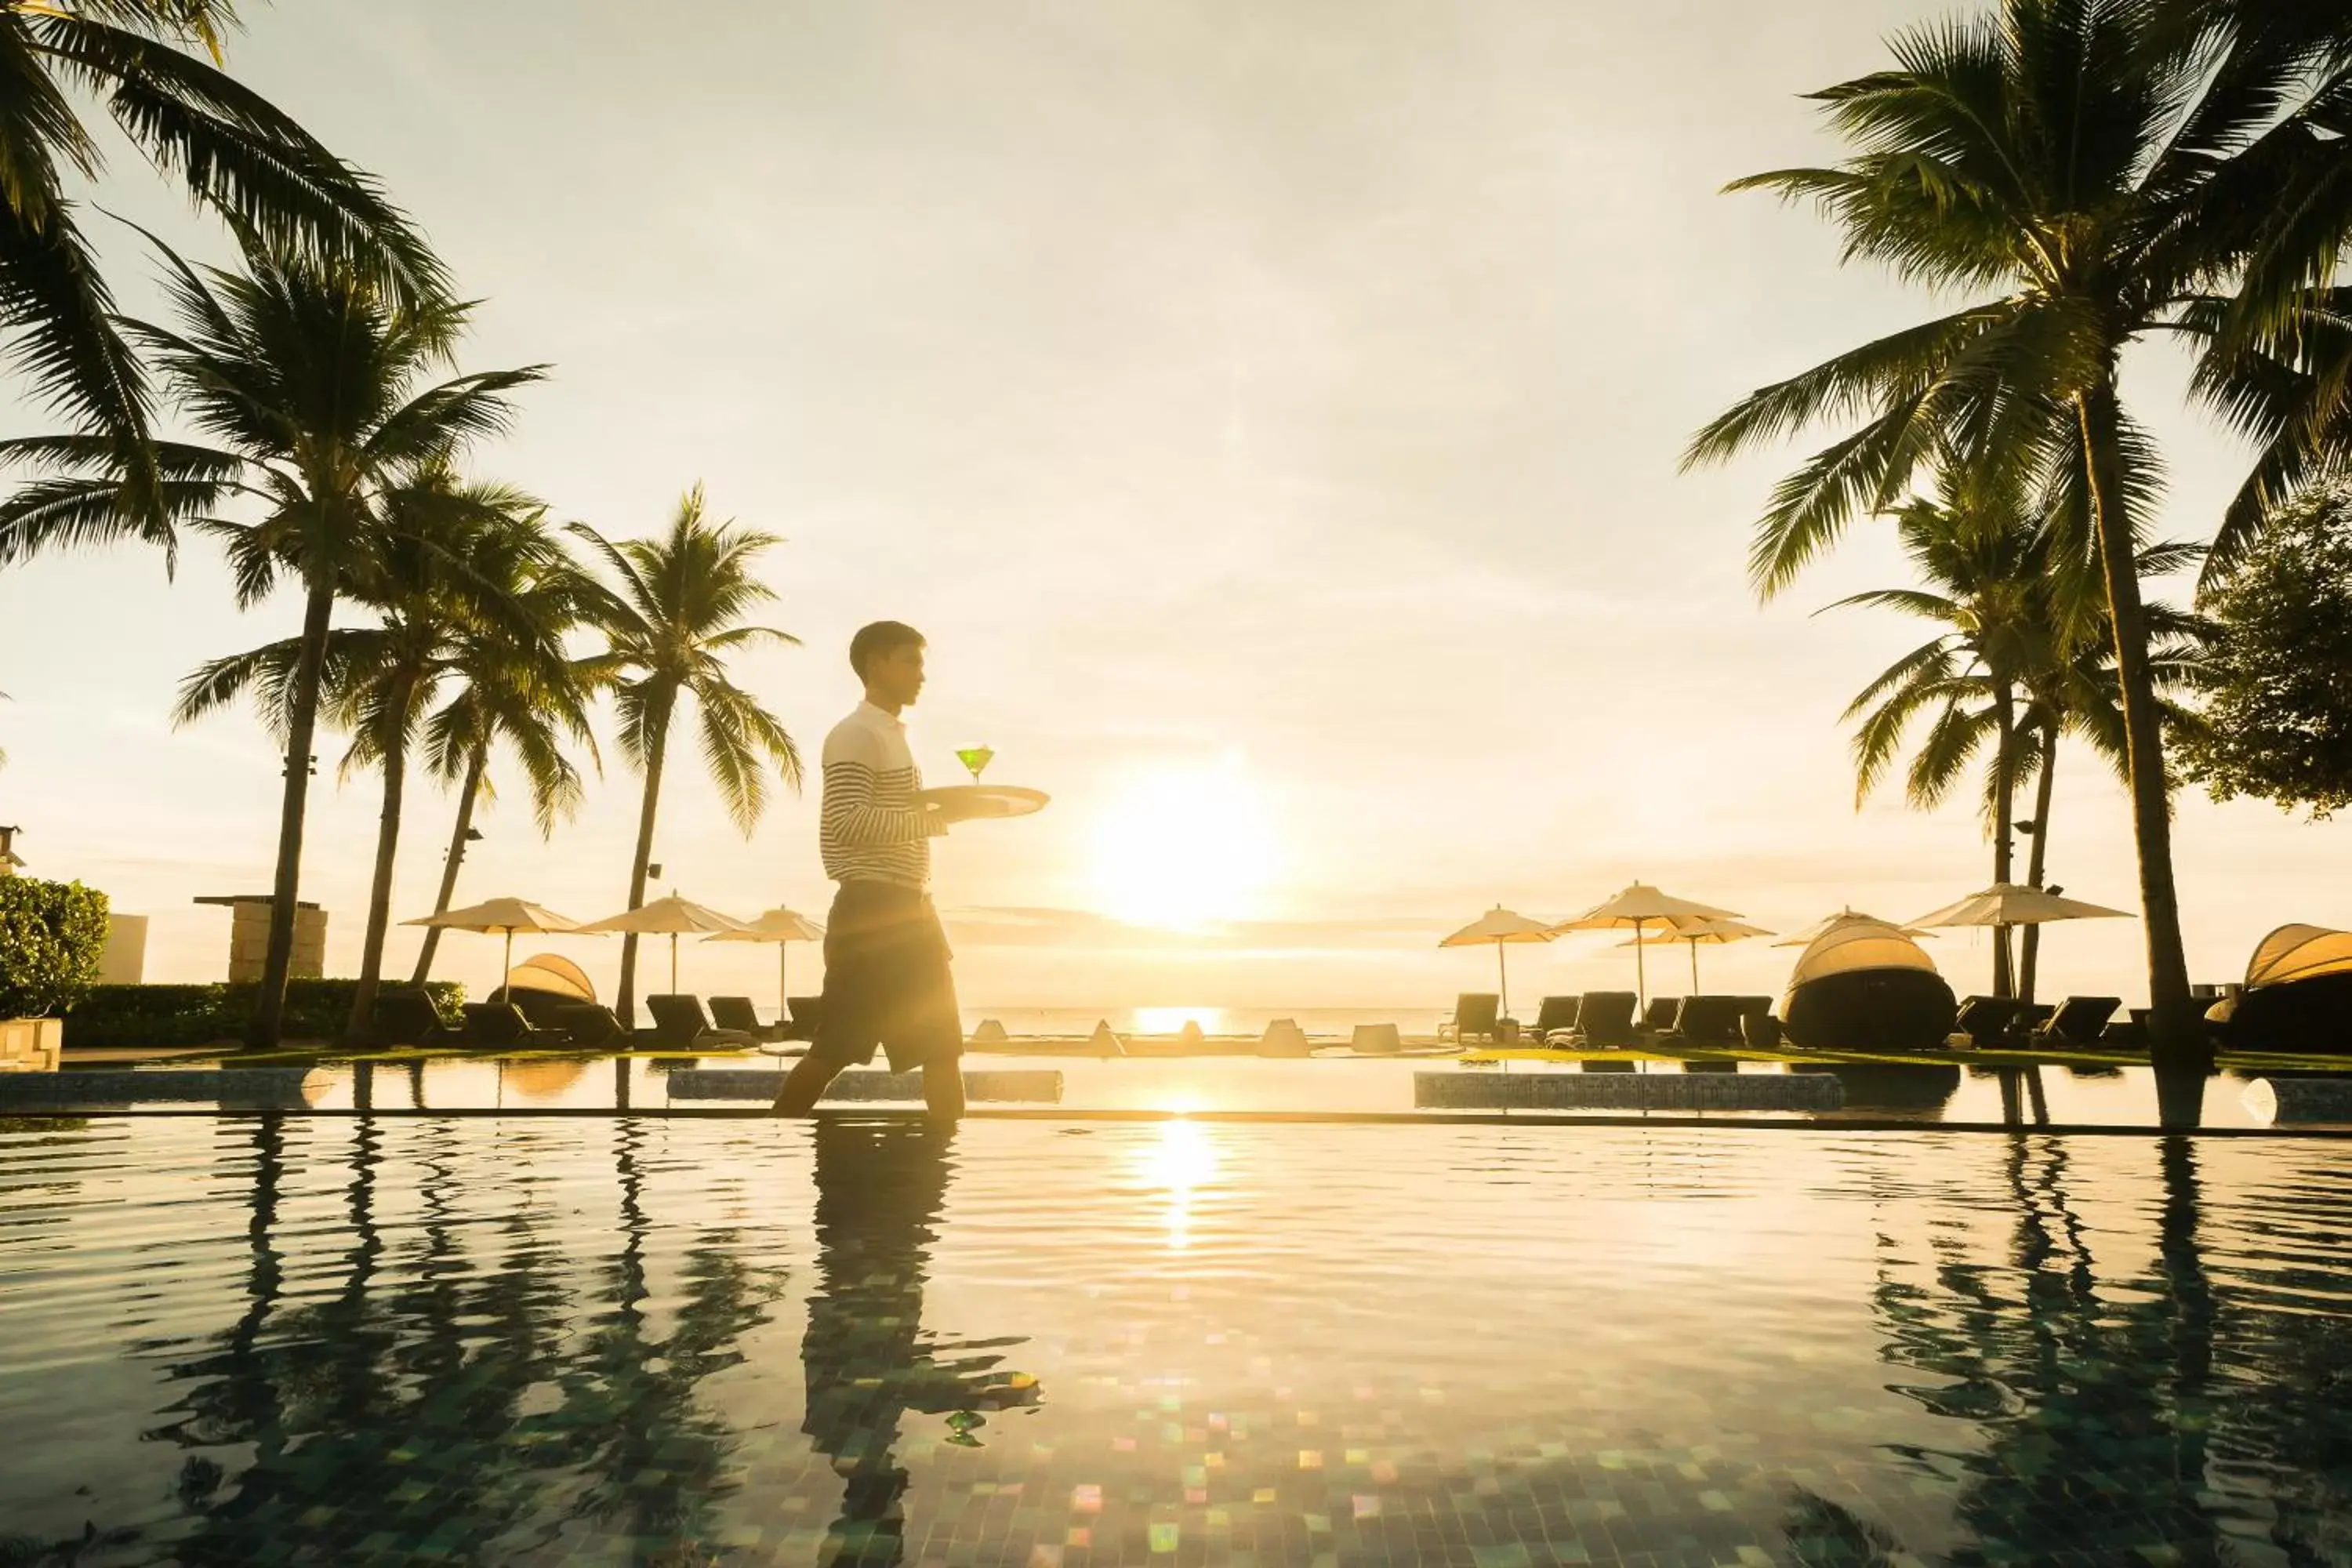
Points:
[(975, 759)]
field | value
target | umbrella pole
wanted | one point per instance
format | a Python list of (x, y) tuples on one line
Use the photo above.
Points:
[(506, 970), (673, 963), (783, 981), (1502, 981), (1694, 947), (1641, 989)]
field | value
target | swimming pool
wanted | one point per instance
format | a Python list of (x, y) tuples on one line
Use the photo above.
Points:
[(625, 1340), (1958, 1090)]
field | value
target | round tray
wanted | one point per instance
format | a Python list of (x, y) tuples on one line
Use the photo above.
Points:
[(990, 800)]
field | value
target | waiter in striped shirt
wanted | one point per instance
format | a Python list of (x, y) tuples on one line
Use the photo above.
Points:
[(886, 980)]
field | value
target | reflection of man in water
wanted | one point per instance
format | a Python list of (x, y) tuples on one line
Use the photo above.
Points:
[(880, 1186)]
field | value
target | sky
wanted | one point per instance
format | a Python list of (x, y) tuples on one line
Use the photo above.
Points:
[(1270, 415)]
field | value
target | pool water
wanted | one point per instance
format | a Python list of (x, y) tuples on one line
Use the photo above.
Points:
[(636, 1341)]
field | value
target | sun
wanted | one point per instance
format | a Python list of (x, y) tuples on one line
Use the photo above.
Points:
[(1184, 849)]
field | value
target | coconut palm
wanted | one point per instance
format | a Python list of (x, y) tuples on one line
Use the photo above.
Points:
[(236, 154), (677, 614), (1982, 567), (2024, 657), (2074, 166), (530, 697), (310, 380), (437, 575)]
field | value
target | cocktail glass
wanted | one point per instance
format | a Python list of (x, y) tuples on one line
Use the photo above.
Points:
[(975, 758)]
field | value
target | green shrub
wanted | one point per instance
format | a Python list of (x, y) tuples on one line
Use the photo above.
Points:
[(52, 935), (207, 1014)]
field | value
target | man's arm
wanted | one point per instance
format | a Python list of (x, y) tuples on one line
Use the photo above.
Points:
[(850, 815)]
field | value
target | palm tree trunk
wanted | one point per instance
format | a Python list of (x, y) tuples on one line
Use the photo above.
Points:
[(2174, 1035), (301, 728), (476, 765), (2004, 831), (361, 1027), (625, 1000), (2037, 862)]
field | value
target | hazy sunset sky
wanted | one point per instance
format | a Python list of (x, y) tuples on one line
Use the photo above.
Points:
[(1269, 412)]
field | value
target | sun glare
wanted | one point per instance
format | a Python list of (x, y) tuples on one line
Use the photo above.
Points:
[(1181, 1160), (1184, 849)]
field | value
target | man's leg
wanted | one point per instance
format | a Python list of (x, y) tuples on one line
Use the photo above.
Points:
[(942, 1088), (805, 1085)]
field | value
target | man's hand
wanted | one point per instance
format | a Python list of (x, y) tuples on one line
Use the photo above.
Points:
[(954, 808)]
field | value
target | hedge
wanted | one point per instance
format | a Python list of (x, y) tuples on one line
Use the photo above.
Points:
[(52, 935), (202, 1014)]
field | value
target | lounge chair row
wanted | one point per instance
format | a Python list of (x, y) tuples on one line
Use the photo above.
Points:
[(2076, 1021), (542, 1019), (1607, 1018)]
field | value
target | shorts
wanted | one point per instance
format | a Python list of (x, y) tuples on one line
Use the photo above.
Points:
[(887, 981)]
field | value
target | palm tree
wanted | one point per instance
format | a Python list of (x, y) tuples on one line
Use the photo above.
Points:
[(679, 612), (1983, 566), (309, 378), (234, 151), (2078, 165), (436, 576), (2024, 657), (529, 696)]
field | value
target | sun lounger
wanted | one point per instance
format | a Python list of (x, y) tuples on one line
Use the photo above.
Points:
[(544, 1009), (680, 1024), (1660, 1014), (802, 1024), (1707, 1021), (500, 1026), (1475, 1017), (407, 1017), (1987, 1020), (1605, 1018), (1558, 1013), (2031, 1018), (737, 1014), (1759, 1031), (592, 1025), (2078, 1021)]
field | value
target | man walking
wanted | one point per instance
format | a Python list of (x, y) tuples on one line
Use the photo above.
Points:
[(886, 980)]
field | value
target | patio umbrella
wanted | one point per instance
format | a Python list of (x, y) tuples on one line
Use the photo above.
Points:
[(1501, 927), (1639, 906), (784, 927), (672, 917), (2006, 904), (501, 916), (1712, 932), (1828, 923)]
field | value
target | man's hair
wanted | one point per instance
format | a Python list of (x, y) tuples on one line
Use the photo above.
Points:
[(881, 637)]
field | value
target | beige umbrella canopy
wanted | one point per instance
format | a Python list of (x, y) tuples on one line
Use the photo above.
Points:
[(1637, 908), (1828, 923), (672, 917), (502, 917), (1501, 927), (2006, 904), (1698, 933), (784, 927)]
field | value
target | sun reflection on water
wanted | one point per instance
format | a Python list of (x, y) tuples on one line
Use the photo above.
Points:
[(1181, 1160)]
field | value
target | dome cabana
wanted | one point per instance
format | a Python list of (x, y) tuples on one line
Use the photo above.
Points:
[(1864, 986), (2298, 994)]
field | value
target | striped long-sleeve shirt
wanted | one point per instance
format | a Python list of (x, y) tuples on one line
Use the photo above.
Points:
[(870, 828)]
